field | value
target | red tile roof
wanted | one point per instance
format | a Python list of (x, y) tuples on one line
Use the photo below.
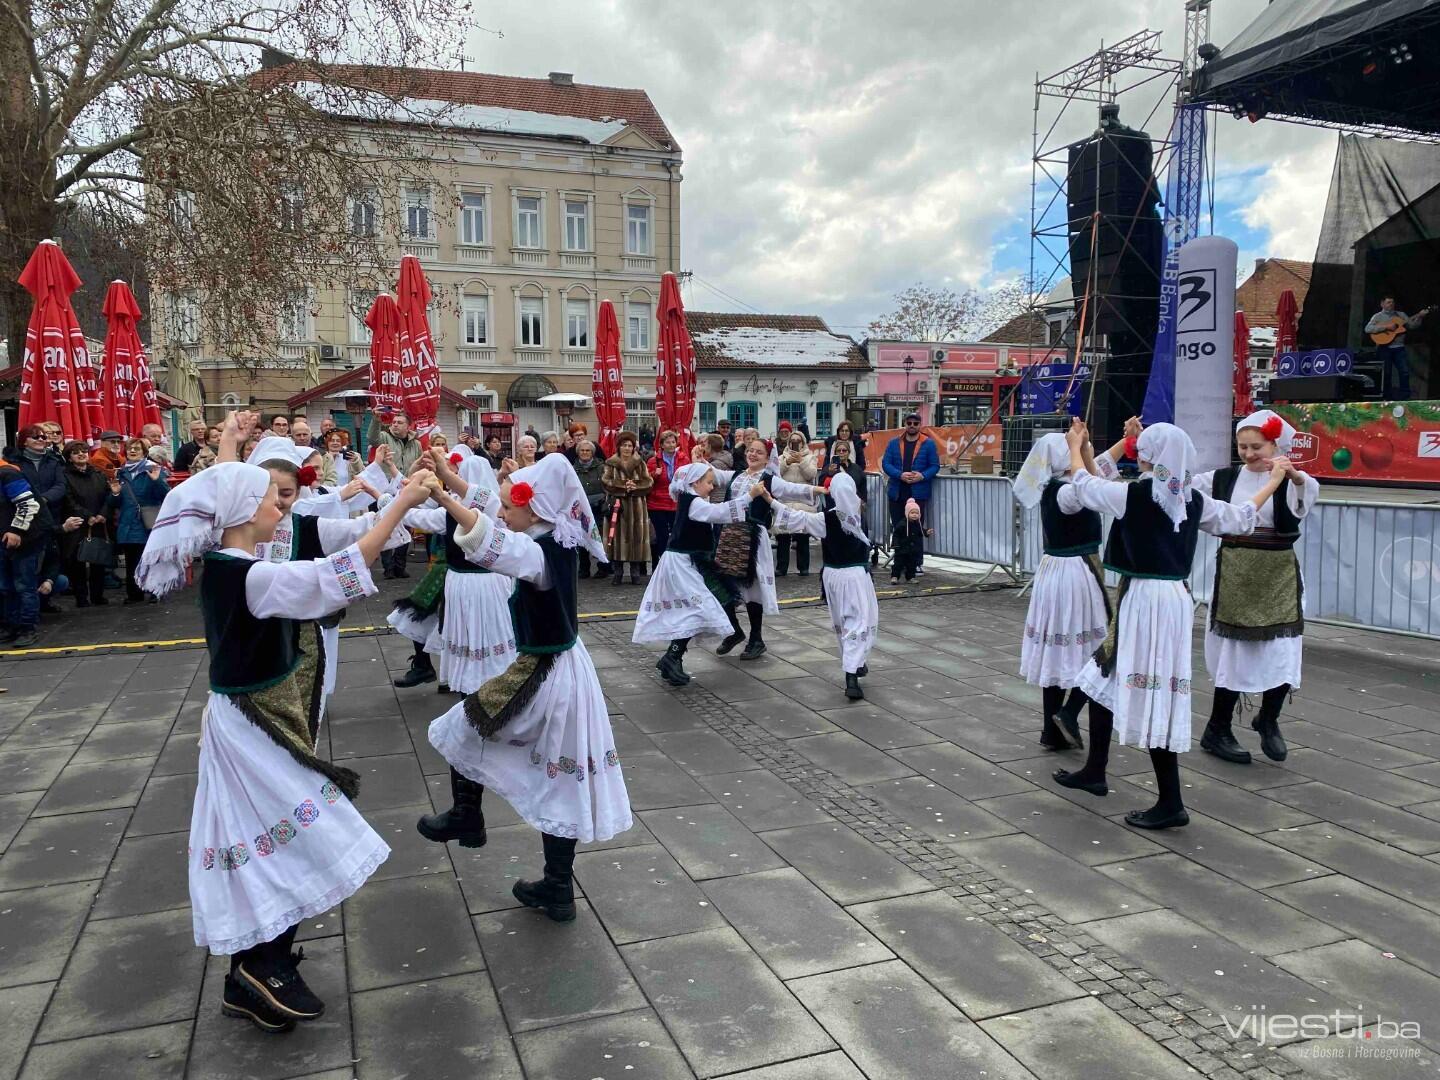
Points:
[(1027, 328), (357, 379), (1259, 294), (728, 340), (496, 91)]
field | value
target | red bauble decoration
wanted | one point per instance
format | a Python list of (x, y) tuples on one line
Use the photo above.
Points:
[(1377, 453)]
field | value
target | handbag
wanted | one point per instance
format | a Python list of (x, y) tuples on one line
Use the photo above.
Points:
[(148, 514), (95, 550)]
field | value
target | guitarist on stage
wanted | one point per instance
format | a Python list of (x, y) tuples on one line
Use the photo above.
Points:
[(1387, 329)]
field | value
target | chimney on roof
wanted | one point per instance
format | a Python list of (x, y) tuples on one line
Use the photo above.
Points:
[(561, 78), (274, 58), (1258, 264)]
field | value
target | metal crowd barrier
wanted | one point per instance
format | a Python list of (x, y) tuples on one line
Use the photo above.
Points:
[(1368, 564)]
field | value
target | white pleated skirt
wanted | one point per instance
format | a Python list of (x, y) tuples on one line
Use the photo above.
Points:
[(678, 604), (762, 590), (854, 613), (417, 630), (330, 641), (1065, 624), (1149, 690), (476, 639), (556, 762), (272, 843)]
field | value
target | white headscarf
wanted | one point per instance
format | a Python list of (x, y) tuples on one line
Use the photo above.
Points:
[(559, 499), (1048, 458), (1284, 441), (193, 516), (686, 477), (1172, 454), (476, 470), (847, 506), (273, 447)]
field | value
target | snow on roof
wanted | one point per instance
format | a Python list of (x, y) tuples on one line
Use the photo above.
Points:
[(723, 340)]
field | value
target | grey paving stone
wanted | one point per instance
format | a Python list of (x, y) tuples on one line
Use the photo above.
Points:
[(150, 873), (891, 1023), (38, 927), (1251, 860), (1083, 1038), (15, 809), (164, 805), (832, 1066), (723, 1007), (20, 1010), (962, 772), (79, 788), (368, 736), (629, 739), (1389, 869), (1377, 984), (654, 711), (1403, 829), (733, 686), (1070, 889), (1233, 981), (935, 811), (151, 1053), (984, 739), (549, 973), (180, 755), (112, 742), (388, 781), (785, 717), (1344, 1057), (1260, 775), (1249, 918), (846, 866), (881, 729), (910, 704), (68, 728), (148, 705), (408, 929), (796, 928), (1367, 751), (641, 892), (709, 842), (851, 759), (154, 985), (634, 1045), (1082, 834), (441, 1027), (1428, 773), (983, 972), (701, 753), (72, 847), (1421, 742), (32, 769), (1392, 925), (762, 800), (1385, 787), (654, 781), (228, 1049), (410, 853), (1268, 809)]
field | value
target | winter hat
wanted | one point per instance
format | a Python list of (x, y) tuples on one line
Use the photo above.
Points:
[(912, 510)]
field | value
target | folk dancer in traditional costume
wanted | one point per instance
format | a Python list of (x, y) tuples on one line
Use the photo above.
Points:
[(539, 733), (688, 596), (1257, 606), (274, 839), (845, 578), (1069, 609), (1139, 679)]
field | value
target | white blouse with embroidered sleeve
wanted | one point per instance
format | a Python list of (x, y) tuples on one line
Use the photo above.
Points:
[(1227, 519), (309, 589), (799, 521), (787, 489), (723, 513), (498, 549), (1089, 492), (1106, 467), (336, 534)]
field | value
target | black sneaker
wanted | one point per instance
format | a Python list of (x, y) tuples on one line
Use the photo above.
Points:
[(281, 987), (243, 1003), (415, 676), (730, 643), (24, 639), (753, 651)]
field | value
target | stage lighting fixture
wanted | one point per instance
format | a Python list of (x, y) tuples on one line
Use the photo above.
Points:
[(1208, 51)]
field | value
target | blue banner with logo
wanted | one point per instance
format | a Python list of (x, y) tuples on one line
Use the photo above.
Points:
[(1184, 186), (1053, 388)]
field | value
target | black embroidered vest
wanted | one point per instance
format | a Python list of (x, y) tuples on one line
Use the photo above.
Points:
[(691, 537), (547, 620), (839, 548), (1287, 525), (247, 654), (1145, 544), (1067, 534), (455, 560)]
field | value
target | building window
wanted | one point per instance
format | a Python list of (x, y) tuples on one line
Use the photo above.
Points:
[(474, 320), (473, 211), (637, 229), (708, 421), (361, 208), (577, 324), (294, 321), (743, 414), (532, 321), (361, 301), (527, 221), (794, 411), (292, 207), (182, 210), (184, 322), (577, 225), (419, 221), (637, 326), (822, 420)]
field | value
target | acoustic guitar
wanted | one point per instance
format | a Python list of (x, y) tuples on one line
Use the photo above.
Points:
[(1397, 326)]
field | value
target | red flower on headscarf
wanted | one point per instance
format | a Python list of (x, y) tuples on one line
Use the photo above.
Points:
[(456, 459), (521, 494), (1272, 428), (306, 475), (1132, 447)]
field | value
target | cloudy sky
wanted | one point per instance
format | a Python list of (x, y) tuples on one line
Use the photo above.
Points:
[(839, 150)]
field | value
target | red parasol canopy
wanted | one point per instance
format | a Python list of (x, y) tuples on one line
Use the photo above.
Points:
[(383, 319), (608, 381), (1244, 403), (419, 373), (675, 365), (1286, 314), (127, 392), (57, 380)]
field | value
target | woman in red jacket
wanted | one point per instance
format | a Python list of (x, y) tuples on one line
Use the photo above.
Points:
[(660, 502)]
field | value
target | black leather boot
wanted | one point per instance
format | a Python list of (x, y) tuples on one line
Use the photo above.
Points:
[(1219, 738), (464, 822), (618, 570), (422, 669), (736, 635), (671, 665), (755, 647), (554, 894), (1067, 717), (1267, 723), (1051, 737), (1091, 778), (1168, 811), (852, 687)]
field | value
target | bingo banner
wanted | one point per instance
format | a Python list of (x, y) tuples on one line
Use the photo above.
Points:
[(1371, 442), (1205, 348)]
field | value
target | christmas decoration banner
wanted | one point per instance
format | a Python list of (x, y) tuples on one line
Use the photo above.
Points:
[(1394, 442)]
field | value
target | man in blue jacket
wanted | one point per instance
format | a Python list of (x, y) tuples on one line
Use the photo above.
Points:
[(911, 462)]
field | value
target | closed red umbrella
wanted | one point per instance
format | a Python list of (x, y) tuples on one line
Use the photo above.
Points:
[(127, 392), (1286, 314), (419, 373), (1244, 403), (607, 384), (675, 365), (57, 381), (383, 319)]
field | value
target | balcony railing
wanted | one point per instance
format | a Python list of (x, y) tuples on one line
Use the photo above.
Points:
[(525, 356), (638, 361), (576, 260), (578, 357), (292, 350), (640, 263), (477, 355), (421, 249), (528, 257), (357, 353), (474, 254)]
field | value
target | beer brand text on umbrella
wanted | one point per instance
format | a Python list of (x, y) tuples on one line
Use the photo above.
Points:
[(1244, 402), (127, 392), (383, 319), (419, 373), (1287, 312), (607, 381), (675, 365), (57, 380)]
